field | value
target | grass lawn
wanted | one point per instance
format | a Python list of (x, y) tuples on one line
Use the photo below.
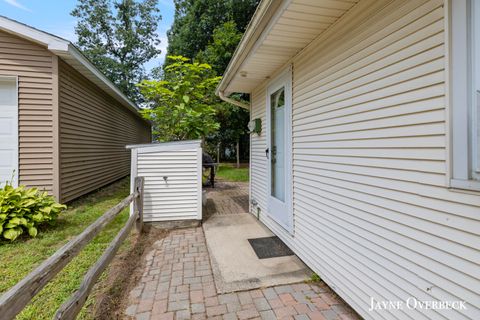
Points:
[(21, 257), (229, 173)]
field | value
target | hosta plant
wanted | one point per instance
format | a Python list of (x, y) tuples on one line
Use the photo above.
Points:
[(23, 210)]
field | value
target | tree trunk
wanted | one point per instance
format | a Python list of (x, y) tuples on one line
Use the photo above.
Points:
[(238, 153), (218, 153)]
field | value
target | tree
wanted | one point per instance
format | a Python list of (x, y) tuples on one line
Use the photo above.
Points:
[(220, 50), (119, 37), (209, 31), (196, 20), (182, 105), (233, 129), (233, 120)]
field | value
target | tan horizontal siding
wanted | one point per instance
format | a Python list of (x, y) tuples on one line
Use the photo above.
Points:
[(33, 66), (372, 212), (94, 130)]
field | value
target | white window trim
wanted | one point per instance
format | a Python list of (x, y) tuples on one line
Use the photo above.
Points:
[(461, 99), (16, 174)]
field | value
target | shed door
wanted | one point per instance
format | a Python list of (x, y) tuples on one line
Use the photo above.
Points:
[(8, 131)]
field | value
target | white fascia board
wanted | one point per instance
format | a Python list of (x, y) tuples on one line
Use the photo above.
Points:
[(163, 146), (43, 38)]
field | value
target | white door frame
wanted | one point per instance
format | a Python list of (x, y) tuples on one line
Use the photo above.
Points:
[(16, 160), (282, 80)]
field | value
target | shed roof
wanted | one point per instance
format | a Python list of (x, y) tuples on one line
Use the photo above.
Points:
[(70, 54), (162, 146), (278, 31)]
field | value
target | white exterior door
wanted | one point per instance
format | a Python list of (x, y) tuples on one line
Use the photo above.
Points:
[(8, 130), (476, 90), (279, 105)]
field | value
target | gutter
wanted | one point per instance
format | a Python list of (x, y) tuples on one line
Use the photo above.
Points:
[(222, 96)]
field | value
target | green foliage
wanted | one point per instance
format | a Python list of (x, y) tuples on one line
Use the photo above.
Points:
[(182, 105), (233, 127), (233, 120), (119, 37), (23, 210), (219, 52), (196, 20), (209, 31)]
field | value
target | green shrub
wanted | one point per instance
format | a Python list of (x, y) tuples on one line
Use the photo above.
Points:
[(23, 210)]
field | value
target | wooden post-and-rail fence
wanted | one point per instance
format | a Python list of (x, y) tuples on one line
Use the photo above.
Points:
[(14, 300)]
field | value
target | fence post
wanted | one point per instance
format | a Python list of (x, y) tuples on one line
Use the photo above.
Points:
[(138, 202)]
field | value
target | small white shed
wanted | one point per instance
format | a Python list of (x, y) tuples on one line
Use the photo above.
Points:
[(173, 179)]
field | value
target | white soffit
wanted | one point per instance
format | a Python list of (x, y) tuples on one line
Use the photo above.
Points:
[(292, 26)]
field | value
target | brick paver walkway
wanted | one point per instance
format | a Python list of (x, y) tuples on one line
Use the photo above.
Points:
[(227, 198), (177, 283)]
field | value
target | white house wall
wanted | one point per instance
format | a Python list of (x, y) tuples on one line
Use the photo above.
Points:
[(372, 212)]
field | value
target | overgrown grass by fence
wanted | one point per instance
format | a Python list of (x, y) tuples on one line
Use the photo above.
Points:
[(43, 306)]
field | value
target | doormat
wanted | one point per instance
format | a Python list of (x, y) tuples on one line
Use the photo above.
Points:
[(270, 247)]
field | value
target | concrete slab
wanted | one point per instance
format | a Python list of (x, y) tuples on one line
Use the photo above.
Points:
[(236, 266)]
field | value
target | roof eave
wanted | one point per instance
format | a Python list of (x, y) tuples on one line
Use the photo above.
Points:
[(260, 20), (26, 32), (65, 48)]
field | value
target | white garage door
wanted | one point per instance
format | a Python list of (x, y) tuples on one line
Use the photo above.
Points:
[(8, 130)]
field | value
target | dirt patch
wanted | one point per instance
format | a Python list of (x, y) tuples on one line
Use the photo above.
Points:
[(111, 294)]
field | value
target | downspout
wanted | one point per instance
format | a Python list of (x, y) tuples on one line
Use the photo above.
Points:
[(222, 96)]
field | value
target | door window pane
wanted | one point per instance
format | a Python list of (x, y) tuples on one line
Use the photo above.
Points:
[(277, 143)]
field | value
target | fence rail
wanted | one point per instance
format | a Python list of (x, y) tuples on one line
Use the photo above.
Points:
[(14, 300)]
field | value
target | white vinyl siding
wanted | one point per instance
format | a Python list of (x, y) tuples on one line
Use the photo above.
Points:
[(373, 215), (178, 197)]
